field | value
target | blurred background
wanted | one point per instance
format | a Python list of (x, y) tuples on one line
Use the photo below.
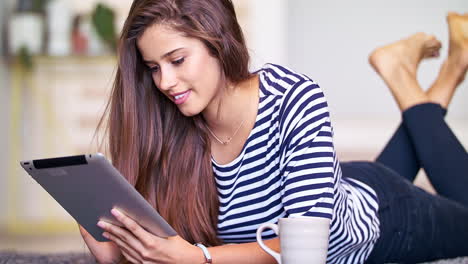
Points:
[(57, 62)]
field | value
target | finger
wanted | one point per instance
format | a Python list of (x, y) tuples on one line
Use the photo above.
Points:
[(129, 257), (122, 234), (83, 231), (88, 238), (125, 248), (142, 235)]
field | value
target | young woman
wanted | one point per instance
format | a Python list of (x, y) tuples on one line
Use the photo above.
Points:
[(218, 150)]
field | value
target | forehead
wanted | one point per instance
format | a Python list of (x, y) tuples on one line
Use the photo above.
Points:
[(159, 39)]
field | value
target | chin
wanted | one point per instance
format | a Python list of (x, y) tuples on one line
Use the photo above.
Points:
[(189, 112)]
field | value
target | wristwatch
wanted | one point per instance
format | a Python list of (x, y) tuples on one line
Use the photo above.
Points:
[(206, 253)]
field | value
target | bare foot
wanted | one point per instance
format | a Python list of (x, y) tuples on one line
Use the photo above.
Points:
[(454, 68), (406, 53), (398, 62), (458, 31)]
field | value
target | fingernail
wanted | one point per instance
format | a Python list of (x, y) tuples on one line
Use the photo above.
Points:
[(115, 212), (101, 224), (105, 235)]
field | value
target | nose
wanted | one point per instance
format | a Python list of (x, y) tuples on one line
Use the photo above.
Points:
[(167, 79)]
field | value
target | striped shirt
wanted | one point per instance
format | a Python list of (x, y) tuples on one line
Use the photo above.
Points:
[(288, 168)]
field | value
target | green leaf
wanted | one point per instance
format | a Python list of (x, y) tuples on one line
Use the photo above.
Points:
[(103, 18)]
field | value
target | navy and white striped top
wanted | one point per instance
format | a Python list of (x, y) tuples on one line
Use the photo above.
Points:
[(288, 168)]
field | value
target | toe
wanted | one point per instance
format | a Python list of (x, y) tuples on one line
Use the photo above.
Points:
[(433, 43), (433, 52)]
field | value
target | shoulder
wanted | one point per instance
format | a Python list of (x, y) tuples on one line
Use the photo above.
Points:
[(286, 83), (277, 80), (295, 91)]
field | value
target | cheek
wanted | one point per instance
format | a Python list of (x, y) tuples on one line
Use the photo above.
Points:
[(155, 79), (204, 67), (209, 73)]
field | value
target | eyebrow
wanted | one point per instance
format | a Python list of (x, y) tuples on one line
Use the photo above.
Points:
[(164, 56)]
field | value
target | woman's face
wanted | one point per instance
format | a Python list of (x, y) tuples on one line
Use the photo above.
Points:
[(181, 68)]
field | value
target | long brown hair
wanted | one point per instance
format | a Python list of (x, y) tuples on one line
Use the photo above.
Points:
[(163, 153)]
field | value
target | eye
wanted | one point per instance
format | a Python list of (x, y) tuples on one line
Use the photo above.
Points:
[(179, 61), (154, 69)]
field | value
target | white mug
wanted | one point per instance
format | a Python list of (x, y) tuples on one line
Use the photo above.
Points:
[(303, 240)]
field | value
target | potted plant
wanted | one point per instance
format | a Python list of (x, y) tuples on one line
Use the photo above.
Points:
[(26, 27)]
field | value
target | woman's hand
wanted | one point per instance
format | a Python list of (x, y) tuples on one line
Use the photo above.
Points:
[(104, 252), (139, 246)]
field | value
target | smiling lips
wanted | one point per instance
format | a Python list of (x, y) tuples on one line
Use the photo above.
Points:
[(180, 98)]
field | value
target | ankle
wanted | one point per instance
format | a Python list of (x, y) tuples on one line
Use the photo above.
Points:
[(406, 90), (414, 101), (452, 72), (443, 89)]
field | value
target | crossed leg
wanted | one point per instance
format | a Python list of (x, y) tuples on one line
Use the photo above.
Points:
[(415, 225), (424, 139)]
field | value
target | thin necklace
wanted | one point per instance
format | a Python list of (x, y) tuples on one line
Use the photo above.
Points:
[(233, 135), (229, 138)]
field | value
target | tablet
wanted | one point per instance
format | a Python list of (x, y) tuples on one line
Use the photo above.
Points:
[(88, 187)]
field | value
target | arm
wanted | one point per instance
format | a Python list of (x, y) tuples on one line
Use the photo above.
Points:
[(244, 253), (307, 168), (307, 153), (138, 245)]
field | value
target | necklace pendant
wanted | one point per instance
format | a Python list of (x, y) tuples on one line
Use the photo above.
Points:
[(222, 142), (227, 141)]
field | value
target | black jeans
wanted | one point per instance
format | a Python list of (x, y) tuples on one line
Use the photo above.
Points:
[(417, 226)]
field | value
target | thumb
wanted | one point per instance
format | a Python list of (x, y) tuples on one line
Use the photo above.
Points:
[(83, 231)]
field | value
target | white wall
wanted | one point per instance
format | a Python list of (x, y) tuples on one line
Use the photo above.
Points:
[(330, 42), (266, 32)]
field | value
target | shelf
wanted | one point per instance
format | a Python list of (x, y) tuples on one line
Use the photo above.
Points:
[(54, 111)]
